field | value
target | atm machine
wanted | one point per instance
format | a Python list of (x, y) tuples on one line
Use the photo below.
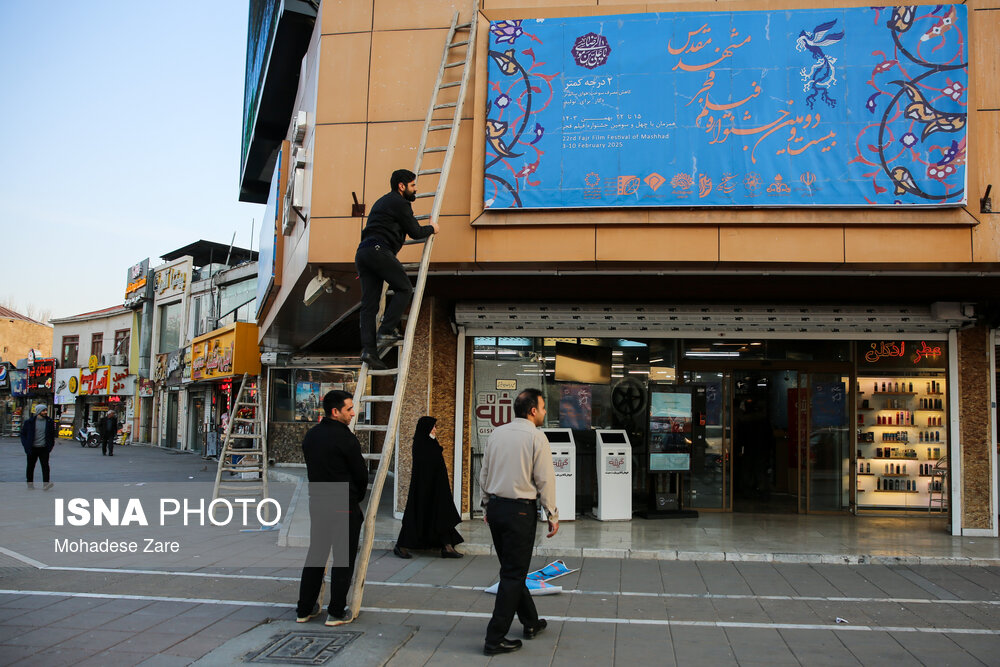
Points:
[(614, 476), (564, 461)]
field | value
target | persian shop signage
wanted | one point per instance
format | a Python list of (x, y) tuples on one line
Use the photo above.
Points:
[(903, 354), (171, 281), (860, 106), (137, 287), (213, 358), (41, 375)]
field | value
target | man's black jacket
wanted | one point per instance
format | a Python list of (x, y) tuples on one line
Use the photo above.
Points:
[(333, 454), (391, 219)]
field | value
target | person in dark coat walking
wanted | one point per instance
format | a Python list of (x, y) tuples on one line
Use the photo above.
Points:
[(333, 455), (430, 516), (38, 437), (109, 432)]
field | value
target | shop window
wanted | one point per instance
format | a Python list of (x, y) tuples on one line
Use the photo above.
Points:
[(97, 345), (296, 394), (733, 349), (170, 328), (70, 351), (122, 341)]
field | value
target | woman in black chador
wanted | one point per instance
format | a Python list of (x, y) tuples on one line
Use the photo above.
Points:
[(430, 517)]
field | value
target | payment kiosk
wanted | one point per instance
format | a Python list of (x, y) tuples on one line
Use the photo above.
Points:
[(614, 476), (564, 461)]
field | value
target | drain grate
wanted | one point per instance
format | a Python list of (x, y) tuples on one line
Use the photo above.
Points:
[(303, 648)]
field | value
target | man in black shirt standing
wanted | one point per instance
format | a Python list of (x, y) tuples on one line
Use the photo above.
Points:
[(332, 454), (391, 219)]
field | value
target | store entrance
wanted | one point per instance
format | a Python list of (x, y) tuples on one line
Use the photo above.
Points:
[(765, 442)]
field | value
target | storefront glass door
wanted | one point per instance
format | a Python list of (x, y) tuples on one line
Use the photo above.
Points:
[(823, 411)]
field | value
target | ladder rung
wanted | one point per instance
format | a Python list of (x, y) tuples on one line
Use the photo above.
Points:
[(422, 217), (447, 105), (410, 266), (387, 371), (463, 26), (242, 452), (247, 421), (425, 195), (423, 172), (458, 63), (242, 487), (245, 436), (415, 241), (382, 428), (377, 399), (451, 85), (457, 44), (372, 457), (436, 149), (436, 128), (247, 469)]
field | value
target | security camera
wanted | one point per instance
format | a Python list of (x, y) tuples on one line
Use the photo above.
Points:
[(316, 287)]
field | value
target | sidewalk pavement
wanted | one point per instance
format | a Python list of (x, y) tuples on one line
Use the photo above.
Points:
[(623, 610)]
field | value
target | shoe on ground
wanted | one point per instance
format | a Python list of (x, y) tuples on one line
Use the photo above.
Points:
[(401, 552), (311, 615), (48, 485), (374, 363), (31, 485), (505, 646), (532, 632), (333, 621), (450, 552)]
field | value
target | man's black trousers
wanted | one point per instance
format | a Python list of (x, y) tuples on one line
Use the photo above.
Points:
[(38, 454), (377, 264), (512, 525), (321, 538)]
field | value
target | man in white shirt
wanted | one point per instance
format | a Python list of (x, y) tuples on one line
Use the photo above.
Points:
[(517, 469)]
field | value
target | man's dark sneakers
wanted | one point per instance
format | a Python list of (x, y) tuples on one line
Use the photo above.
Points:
[(531, 633), (401, 552), (311, 615), (374, 363), (333, 621), (505, 646)]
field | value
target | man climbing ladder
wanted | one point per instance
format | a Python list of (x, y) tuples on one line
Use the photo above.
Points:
[(390, 221)]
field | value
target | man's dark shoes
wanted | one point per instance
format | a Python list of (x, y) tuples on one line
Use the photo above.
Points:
[(505, 646), (389, 339), (531, 633), (401, 552), (449, 552), (311, 615), (374, 363)]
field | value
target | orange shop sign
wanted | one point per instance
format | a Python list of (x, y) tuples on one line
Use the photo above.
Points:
[(225, 352), (94, 383)]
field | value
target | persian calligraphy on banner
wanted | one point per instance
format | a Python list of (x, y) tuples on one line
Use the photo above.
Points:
[(820, 107)]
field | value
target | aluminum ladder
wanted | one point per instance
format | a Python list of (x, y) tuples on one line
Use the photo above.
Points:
[(244, 448), (461, 40)]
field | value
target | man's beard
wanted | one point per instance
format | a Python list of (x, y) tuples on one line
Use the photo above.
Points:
[(410, 196)]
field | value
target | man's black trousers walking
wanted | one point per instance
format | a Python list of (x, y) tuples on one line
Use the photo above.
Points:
[(321, 536), (512, 524), (376, 264), (108, 444), (38, 454)]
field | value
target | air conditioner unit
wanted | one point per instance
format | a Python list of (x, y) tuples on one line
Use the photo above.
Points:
[(119, 360), (301, 123)]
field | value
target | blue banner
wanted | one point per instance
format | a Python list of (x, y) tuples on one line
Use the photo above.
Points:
[(822, 107)]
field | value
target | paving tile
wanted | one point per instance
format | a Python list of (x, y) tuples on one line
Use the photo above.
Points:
[(195, 646), (166, 661), (952, 580), (41, 637), (891, 583), (740, 611), (643, 645), (691, 609), (33, 601), (763, 646), (643, 576), (97, 640), (934, 649), (112, 658), (818, 648), (984, 648), (85, 620), (584, 643), (419, 649), (949, 615), (875, 648), (723, 578), (697, 646), (790, 611), (681, 577), (642, 607), (55, 657), (849, 581), (764, 579), (150, 640), (805, 580)]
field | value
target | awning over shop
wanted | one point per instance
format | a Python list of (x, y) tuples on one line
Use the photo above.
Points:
[(225, 352)]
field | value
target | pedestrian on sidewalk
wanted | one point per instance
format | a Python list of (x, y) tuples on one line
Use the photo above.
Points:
[(517, 470), (332, 454), (38, 437), (389, 221), (109, 431), (430, 516)]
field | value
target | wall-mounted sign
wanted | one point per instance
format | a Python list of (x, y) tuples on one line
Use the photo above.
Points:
[(854, 106), (41, 375), (146, 388), (902, 354), (18, 382), (122, 382), (4, 375), (171, 281), (137, 286), (226, 352), (94, 382), (67, 386)]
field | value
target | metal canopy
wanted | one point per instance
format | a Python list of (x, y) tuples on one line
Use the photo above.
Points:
[(718, 320)]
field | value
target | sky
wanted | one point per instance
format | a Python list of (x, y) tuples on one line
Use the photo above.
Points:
[(120, 131)]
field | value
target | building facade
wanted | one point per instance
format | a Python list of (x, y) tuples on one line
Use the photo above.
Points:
[(762, 356)]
